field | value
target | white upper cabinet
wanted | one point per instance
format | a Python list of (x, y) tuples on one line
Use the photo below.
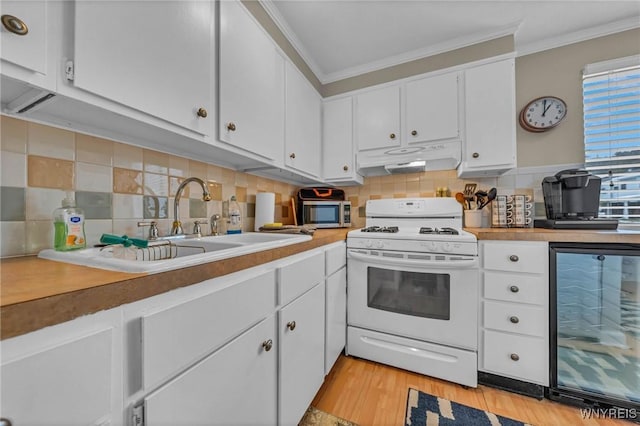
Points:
[(251, 96), (303, 114), (154, 57), (378, 118), (24, 34), (426, 110), (30, 36), (338, 156), (490, 110), (431, 109)]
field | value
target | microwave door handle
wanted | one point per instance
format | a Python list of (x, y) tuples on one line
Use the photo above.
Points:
[(438, 264)]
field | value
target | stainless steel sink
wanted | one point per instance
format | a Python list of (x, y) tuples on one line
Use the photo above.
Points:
[(165, 255)]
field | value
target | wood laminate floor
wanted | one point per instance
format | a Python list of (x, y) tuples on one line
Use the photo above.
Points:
[(369, 393)]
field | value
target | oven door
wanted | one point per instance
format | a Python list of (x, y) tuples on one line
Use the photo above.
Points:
[(401, 294)]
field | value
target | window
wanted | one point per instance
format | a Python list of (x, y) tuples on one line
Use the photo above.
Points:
[(611, 98)]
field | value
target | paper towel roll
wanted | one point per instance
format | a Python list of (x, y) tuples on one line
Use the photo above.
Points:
[(265, 208)]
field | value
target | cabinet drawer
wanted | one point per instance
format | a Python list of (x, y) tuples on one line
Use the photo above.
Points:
[(522, 319), (531, 257), (517, 288), (520, 357), (300, 275), (180, 335), (336, 258)]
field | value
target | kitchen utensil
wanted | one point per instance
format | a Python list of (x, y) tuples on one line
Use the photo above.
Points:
[(491, 195), (460, 198), (480, 197), (469, 190)]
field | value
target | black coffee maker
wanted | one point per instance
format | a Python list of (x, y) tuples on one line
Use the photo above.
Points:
[(572, 201)]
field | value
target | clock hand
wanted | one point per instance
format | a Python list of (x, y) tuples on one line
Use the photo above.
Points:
[(545, 108)]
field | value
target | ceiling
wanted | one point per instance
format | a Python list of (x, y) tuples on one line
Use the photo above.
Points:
[(340, 39)]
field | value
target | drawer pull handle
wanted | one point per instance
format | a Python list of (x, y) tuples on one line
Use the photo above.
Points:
[(392, 136), (231, 127), (291, 325), (514, 258), (5, 422), (267, 345), (16, 26), (514, 289), (202, 113), (514, 357), (514, 319)]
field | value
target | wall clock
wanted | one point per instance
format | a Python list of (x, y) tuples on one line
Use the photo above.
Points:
[(542, 114)]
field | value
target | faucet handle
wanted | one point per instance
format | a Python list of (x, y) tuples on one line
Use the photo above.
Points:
[(214, 224), (153, 229), (196, 228)]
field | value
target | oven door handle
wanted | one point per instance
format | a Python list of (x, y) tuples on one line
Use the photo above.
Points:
[(438, 264)]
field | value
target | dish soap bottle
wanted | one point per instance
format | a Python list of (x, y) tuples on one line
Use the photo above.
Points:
[(235, 217), (68, 223)]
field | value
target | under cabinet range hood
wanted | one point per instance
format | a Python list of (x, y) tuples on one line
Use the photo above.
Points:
[(410, 159)]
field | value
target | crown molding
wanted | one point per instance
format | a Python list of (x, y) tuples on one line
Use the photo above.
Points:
[(577, 36), (280, 22), (453, 44)]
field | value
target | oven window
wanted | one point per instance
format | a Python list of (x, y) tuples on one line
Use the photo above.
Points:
[(421, 294)]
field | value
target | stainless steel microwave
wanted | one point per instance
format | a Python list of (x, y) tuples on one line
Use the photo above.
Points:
[(326, 213)]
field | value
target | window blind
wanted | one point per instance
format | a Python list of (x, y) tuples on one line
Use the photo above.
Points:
[(611, 101)]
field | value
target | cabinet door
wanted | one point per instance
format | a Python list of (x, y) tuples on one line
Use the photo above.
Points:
[(336, 317), (490, 116), (151, 56), (431, 111), (235, 385), (378, 118), (69, 383), (29, 50), (251, 85), (301, 331), (337, 139), (303, 112)]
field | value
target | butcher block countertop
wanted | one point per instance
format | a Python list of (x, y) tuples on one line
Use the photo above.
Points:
[(556, 235), (35, 293)]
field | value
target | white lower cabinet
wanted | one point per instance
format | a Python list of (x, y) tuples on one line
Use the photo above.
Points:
[(244, 348), (514, 310), (68, 374), (234, 385), (301, 367)]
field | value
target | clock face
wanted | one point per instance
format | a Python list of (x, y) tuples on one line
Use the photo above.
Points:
[(543, 114)]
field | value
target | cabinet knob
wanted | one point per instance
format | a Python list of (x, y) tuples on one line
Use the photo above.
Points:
[(414, 133), (514, 258), (514, 289), (292, 155), (202, 113), (345, 168), (392, 136), (231, 127), (267, 345), (514, 357), (5, 422), (475, 155), (291, 325), (514, 319), (14, 25)]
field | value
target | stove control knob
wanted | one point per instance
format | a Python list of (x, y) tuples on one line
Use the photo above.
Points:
[(433, 246), (379, 244), (446, 247), (368, 243)]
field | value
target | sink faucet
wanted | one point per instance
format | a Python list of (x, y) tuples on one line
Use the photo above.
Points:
[(176, 228)]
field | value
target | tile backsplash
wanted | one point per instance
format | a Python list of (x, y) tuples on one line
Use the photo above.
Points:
[(119, 185)]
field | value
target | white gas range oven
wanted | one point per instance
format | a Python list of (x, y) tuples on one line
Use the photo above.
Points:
[(413, 281)]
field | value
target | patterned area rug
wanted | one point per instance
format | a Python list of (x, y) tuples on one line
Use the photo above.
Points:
[(315, 417), (428, 410)]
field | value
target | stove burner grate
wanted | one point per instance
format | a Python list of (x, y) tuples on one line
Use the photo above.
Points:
[(440, 231), (387, 229)]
